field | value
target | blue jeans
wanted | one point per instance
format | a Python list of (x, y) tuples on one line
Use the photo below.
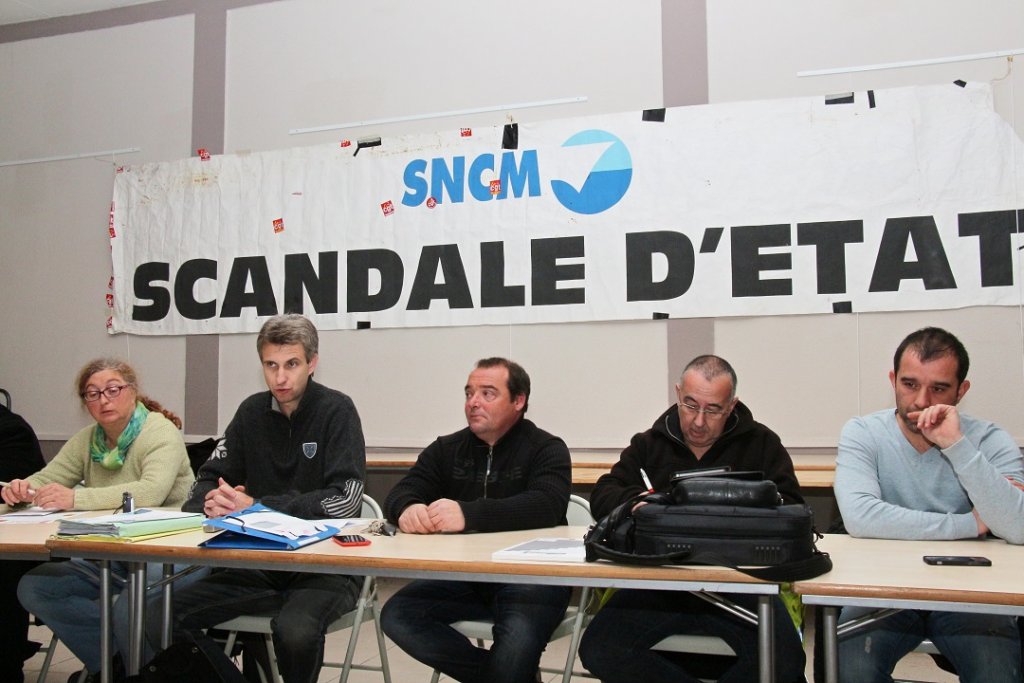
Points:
[(418, 619), (304, 604), (984, 648), (66, 596), (616, 646)]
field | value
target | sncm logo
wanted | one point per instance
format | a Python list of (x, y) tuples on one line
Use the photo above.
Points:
[(607, 181), (439, 180)]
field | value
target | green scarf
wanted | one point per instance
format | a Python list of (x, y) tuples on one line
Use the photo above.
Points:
[(113, 459)]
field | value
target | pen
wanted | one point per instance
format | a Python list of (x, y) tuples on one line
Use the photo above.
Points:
[(647, 481), (31, 492)]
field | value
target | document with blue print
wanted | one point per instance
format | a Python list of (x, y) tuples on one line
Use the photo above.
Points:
[(259, 527), (544, 550)]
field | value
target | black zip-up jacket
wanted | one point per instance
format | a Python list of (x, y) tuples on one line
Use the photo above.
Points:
[(312, 465), (661, 450), (522, 482), (19, 448)]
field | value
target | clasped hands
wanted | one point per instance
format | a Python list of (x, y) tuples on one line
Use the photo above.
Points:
[(442, 516), (226, 499)]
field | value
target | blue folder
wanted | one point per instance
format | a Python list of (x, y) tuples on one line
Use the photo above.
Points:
[(249, 538)]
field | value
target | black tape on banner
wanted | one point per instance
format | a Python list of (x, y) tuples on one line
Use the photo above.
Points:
[(659, 316), (510, 136), (961, 83), (712, 236), (843, 98), (366, 142), (842, 307), (871, 99), (362, 324), (656, 115)]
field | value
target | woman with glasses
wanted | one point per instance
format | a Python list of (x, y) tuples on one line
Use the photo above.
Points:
[(133, 446)]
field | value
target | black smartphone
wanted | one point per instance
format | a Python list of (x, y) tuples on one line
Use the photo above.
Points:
[(958, 560), (351, 539)]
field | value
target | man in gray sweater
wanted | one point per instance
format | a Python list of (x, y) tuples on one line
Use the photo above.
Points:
[(926, 471)]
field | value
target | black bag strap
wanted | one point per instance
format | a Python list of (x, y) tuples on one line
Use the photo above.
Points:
[(797, 570)]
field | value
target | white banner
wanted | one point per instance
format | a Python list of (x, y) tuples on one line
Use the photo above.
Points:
[(903, 199)]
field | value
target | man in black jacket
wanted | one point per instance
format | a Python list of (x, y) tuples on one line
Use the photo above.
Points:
[(296, 448), (20, 456), (499, 474), (709, 427)]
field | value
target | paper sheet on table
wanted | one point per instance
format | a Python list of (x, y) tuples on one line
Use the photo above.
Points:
[(36, 515), (544, 550), (350, 523)]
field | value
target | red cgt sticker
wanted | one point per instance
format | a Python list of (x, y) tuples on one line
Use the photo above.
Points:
[(279, 225), (387, 207)]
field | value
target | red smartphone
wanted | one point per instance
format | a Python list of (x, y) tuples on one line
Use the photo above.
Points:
[(351, 539)]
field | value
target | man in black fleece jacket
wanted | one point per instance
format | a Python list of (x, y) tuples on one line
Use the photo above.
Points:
[(296, 448), (708, 427), (500, 473)]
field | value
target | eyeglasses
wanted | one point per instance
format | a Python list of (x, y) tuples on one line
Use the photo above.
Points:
[(111, 393), (709, 413)]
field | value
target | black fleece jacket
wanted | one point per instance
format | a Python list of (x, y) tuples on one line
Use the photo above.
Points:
[(522, 482), (312, 465), (661, 450)]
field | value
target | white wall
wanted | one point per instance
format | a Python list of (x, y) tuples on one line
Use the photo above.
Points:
[(108, 89), (308, 63), (811, 373)]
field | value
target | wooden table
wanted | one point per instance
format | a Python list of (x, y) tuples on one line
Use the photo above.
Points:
[(890, 574), (26, 541), (454, 556)]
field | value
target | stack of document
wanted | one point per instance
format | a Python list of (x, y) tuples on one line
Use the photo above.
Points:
[(130, 526), (544, 550)]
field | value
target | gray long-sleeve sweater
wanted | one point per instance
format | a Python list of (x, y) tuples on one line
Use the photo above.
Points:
[(886, 489)]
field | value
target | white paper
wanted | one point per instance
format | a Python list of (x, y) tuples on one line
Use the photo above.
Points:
[(36, 516), (278, 524), (140, 515), (544, 550)]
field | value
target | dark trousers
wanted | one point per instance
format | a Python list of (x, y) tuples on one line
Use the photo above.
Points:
[(418, 619), (303, 605), (14, 622), (616, 645)]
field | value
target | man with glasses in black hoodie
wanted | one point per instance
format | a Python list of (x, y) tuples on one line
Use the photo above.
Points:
[(708, 427)]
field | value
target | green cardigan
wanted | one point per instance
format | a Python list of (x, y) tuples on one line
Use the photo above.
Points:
[(156, 469)]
